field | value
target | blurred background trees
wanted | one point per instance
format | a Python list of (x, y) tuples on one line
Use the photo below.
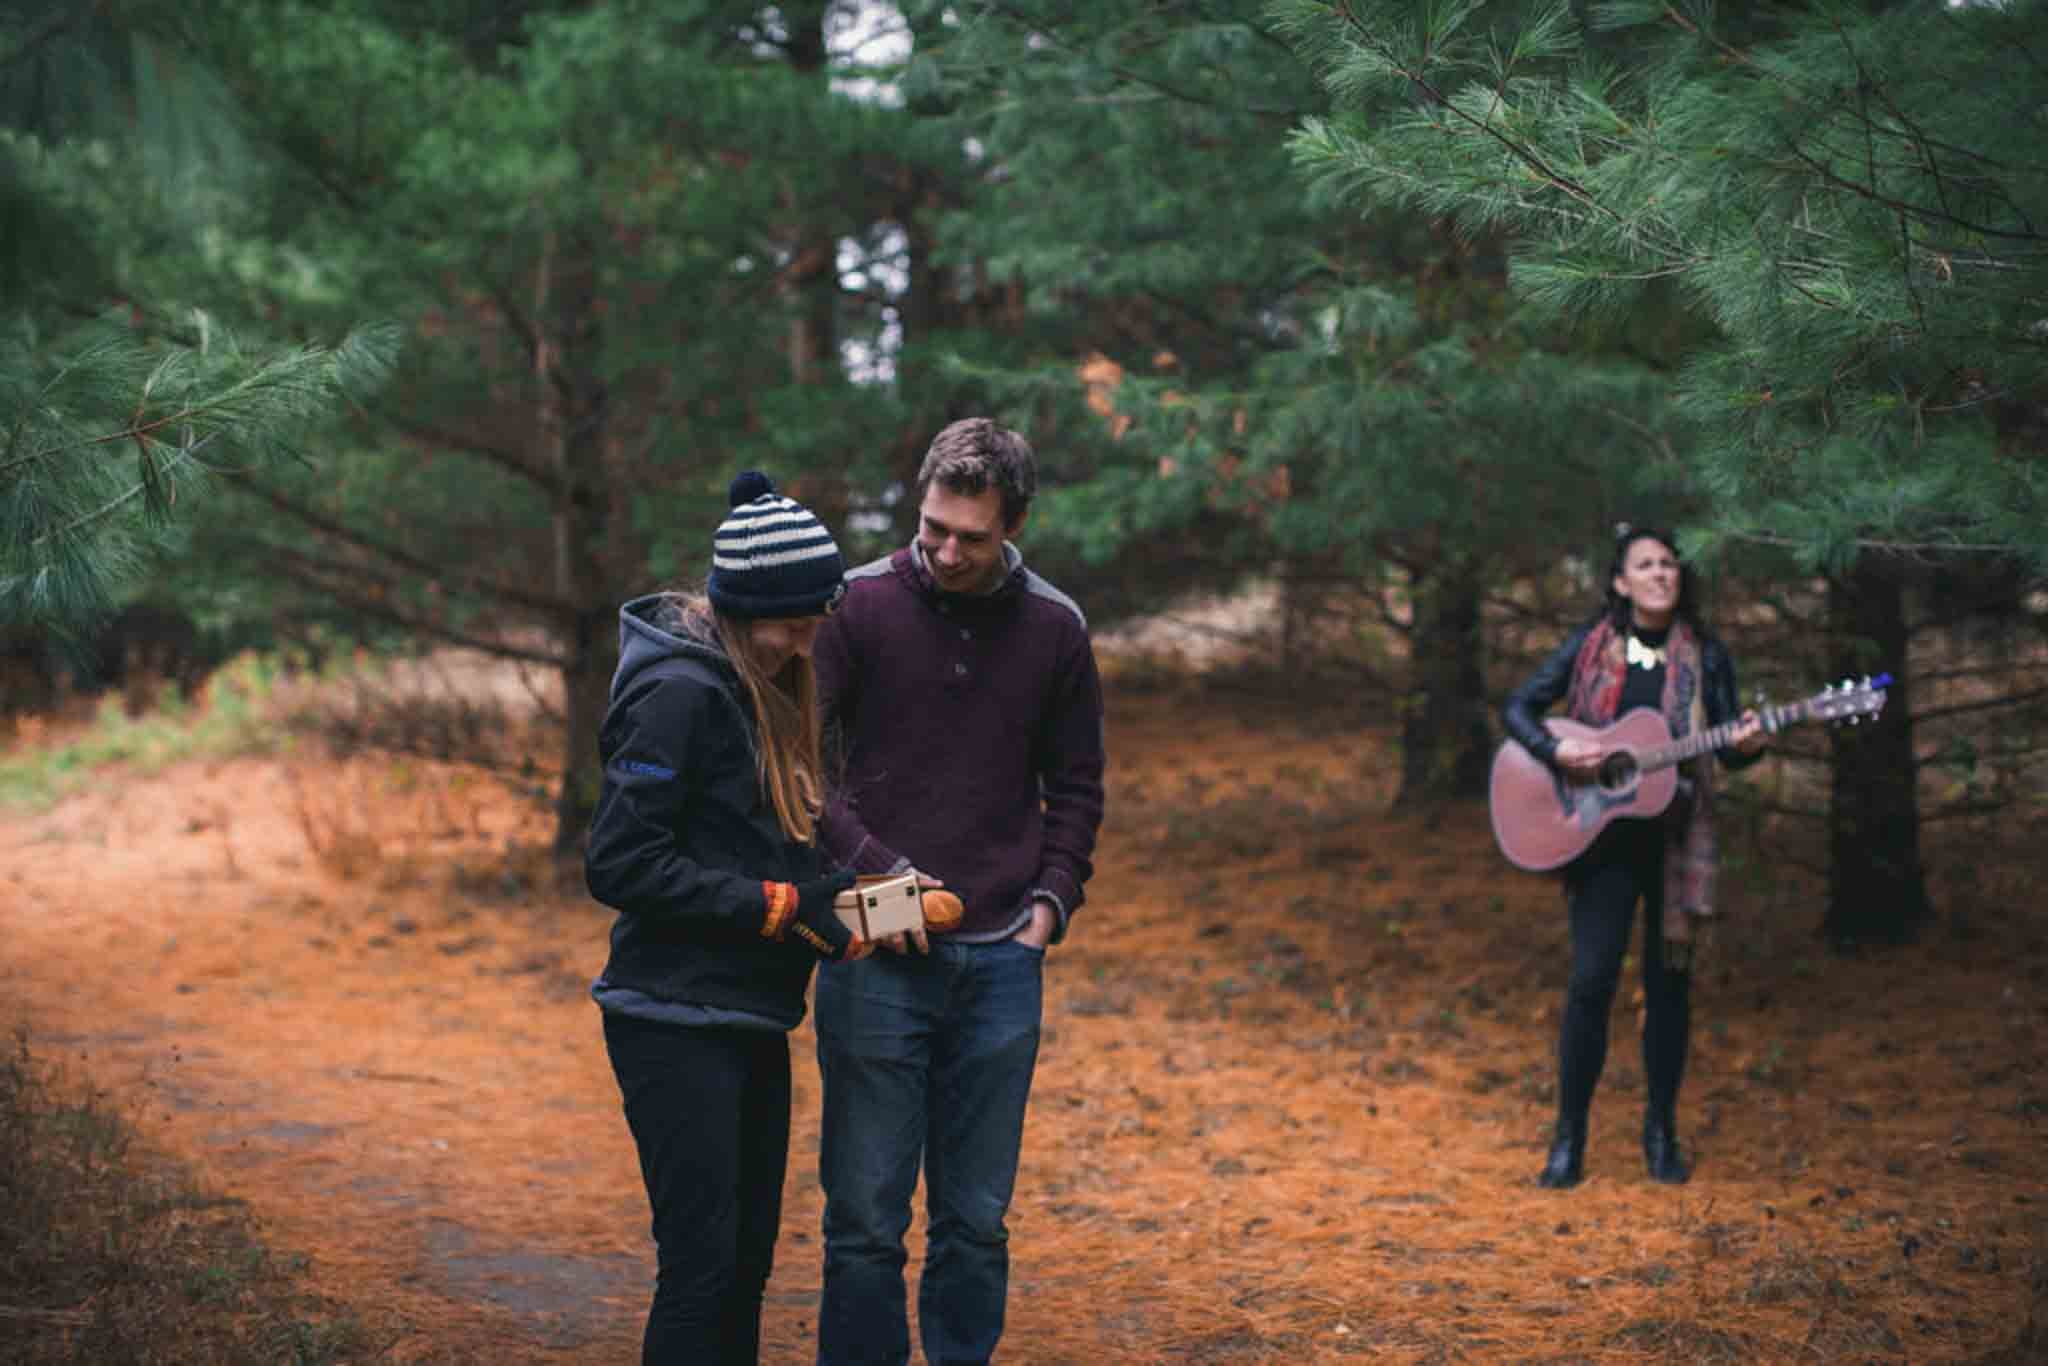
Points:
[(1394, 307), (611, 234)]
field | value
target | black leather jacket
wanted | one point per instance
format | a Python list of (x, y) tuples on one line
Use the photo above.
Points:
[(1524, 709)]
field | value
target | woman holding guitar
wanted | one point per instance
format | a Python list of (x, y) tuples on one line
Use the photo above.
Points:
[(1646, 648)]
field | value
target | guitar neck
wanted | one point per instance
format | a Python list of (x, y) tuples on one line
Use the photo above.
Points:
[(1717, 737)]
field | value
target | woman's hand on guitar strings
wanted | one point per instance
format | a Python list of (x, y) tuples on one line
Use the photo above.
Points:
[(1580, 758)]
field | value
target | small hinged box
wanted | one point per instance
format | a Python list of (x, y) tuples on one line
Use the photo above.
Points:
[(881, 906)]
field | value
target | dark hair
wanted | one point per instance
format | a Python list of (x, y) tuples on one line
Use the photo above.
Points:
[(973, 455), (1617, 606)]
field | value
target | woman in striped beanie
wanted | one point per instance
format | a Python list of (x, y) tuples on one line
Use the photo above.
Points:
[(704, 842)]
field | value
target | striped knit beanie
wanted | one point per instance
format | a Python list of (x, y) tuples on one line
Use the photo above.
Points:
[(771, 557)]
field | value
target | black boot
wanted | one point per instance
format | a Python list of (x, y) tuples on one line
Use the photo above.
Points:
[(1661, 1152), (1566, 1165)]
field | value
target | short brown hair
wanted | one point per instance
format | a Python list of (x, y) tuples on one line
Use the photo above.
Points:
[(973, 455)]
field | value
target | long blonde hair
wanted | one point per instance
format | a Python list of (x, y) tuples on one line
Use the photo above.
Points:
[(787, 750), (788, 744)]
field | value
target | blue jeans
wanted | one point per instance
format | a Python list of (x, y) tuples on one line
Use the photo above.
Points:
[(923, 1058)]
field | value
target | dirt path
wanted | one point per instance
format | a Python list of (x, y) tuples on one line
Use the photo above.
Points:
[(1294, 1085)]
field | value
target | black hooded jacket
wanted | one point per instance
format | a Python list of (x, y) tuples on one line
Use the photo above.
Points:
[(683, 838)]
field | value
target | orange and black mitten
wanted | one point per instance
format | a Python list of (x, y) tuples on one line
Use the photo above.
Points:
[(804, 909), (942, 910)]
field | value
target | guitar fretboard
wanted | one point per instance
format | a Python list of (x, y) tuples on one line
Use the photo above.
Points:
[(1717, 737)]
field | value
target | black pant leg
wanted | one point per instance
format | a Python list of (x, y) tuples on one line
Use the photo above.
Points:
[(763, 1162), (1667, 1011), (1602, 907), (709, 1112), (1603, 887)]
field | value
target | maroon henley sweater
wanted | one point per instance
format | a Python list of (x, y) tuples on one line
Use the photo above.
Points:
[(969, 731)]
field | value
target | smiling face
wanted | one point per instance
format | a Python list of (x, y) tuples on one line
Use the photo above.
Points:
[(962, 537), (774, 641), (1649, 579)]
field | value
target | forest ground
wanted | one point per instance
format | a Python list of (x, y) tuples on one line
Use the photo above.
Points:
[(1295, 1082)]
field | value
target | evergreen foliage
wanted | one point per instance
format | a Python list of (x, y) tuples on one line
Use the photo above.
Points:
[(1849, 200), (1130, 192), (1852, 196), (106, 428), (612, 237), (117, 400), (1275, 379)]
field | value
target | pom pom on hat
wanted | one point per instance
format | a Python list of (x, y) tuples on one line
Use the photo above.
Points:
[(772, 557), (746, 486)]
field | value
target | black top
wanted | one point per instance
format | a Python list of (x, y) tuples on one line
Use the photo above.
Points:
[(1644, 684), (682, 839)]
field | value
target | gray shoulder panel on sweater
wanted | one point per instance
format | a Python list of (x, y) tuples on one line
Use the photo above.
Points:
[(1039, 588), (872, 569)]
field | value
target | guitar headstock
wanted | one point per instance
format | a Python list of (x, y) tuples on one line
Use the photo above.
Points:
[(1851, 700)]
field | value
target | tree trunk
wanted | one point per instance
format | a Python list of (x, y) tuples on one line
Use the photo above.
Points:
[(924, 311), (1446, 745), (1297, 614), (1877, 891), (586, 689), (810, 281), (573, 406)]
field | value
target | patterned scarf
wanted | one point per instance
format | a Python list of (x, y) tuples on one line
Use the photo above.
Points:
[(1690, 853)]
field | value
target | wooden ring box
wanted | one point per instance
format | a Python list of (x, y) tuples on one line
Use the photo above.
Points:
[(879, 906)]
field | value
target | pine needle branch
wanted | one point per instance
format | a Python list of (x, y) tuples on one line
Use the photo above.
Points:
[(1520, 151), (142, 488)]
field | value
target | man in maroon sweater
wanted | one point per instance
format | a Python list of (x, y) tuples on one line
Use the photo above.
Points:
[(963, 693)]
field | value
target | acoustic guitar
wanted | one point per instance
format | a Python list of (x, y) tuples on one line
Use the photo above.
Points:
[(1544, 819)]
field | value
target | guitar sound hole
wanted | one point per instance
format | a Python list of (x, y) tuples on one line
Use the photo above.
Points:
[(1618, 771)]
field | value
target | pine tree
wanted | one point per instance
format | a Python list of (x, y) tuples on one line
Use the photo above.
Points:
[(610, 233), (1850, 196), (1846, 192), (1345, 398), (116, 411)]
